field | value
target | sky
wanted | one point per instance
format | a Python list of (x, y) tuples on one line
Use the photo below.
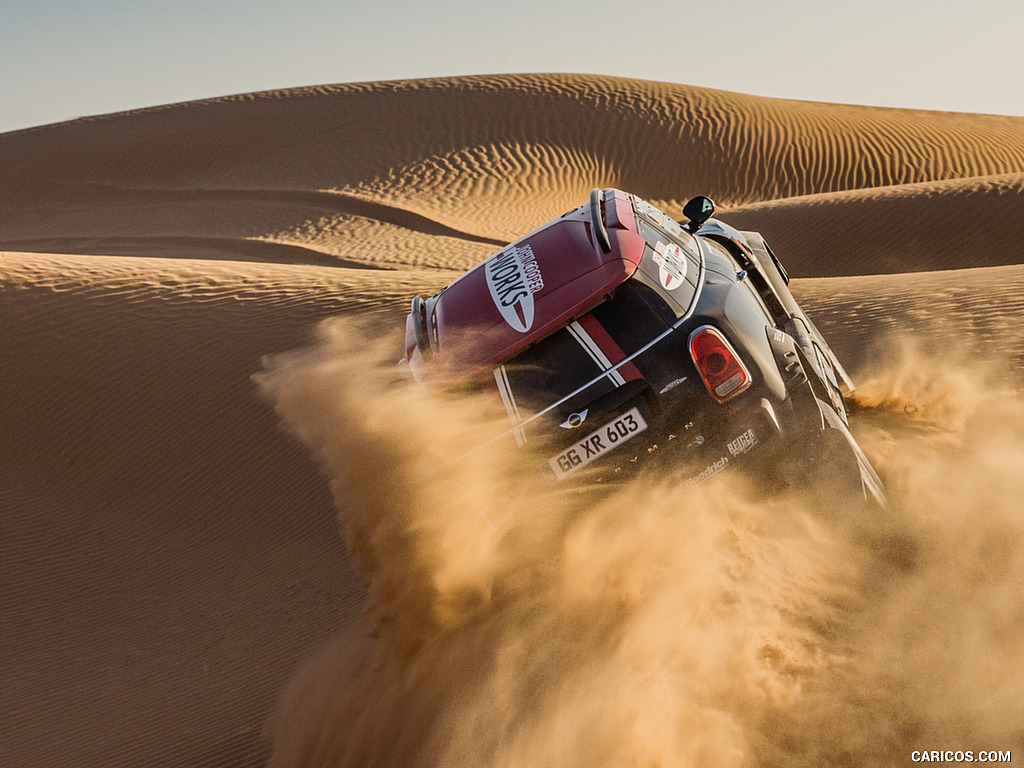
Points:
[(62, 59)]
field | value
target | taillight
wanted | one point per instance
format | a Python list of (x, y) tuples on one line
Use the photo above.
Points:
[(723, 372)]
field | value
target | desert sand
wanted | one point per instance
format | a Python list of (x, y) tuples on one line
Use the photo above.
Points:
[(214, 552)]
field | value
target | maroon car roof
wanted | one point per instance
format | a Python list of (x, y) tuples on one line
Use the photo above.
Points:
[(531, 287)]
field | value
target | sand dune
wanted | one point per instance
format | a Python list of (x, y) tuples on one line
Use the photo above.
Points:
[(167, 552), (951, 224), (170, 556), (473, 158)]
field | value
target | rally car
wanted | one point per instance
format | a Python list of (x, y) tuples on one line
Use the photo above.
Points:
[(615, 337)]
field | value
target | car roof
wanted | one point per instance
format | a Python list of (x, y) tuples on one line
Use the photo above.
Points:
[(532, 287)]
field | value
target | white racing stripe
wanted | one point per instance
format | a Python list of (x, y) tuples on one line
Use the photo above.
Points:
[(501, 379), (596, 353), (628, 359)]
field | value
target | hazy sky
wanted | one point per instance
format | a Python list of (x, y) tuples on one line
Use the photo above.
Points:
[(61, 59)]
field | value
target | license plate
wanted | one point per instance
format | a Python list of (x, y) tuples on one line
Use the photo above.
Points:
[(595, 445)]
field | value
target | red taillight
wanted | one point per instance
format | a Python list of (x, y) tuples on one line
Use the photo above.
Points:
[(723, 373)]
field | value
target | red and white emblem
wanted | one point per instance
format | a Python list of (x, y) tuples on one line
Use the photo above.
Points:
[(671, 265)]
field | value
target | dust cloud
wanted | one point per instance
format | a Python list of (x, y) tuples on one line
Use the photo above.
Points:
[(508, 624)]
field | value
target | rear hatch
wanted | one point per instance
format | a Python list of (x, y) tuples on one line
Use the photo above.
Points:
[(581, 391), (602, 380)]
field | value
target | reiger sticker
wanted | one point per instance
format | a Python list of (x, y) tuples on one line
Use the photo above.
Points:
[(743, 443), (513, 276), (671, 265)]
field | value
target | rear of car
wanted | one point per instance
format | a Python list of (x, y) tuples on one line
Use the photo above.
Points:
[(613, 336)]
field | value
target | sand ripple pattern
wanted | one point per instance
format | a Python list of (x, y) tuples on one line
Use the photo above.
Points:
[(485, 157)]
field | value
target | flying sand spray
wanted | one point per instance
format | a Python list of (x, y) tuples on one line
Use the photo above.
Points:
[(645, 627)]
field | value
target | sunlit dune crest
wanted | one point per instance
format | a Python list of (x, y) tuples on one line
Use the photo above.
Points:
[(230, 538)]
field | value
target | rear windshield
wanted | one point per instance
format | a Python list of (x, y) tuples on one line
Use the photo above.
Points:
[(569, 358)]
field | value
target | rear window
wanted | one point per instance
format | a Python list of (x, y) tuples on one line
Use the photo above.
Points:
[(549, 370), (569, 358), (634, 316)]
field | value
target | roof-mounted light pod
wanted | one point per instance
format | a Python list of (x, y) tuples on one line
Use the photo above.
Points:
[(723, 372)]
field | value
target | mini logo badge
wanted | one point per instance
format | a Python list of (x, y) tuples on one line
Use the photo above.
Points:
[(574, 420), (513, 276)]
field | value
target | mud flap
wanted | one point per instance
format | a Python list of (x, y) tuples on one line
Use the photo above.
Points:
[(839, 472)]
